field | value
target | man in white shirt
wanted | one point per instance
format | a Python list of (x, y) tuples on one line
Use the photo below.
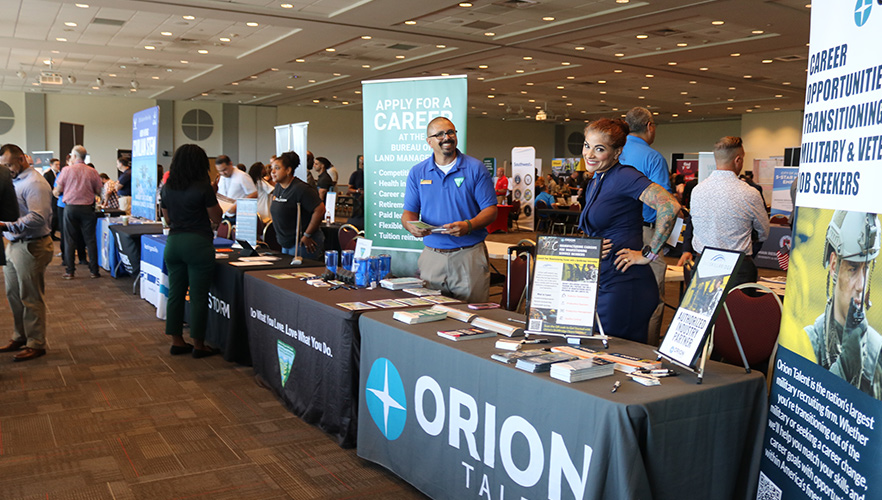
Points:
[(232, 183), (725, 209)]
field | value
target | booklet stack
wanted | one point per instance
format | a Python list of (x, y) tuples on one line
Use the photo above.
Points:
[(582, 369), (421, 292), (542, 363), (419, 316), (401, 283), (511, 358), (466, 334)]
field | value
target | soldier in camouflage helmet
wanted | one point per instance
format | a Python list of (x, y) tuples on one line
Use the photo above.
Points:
[(841, 338)]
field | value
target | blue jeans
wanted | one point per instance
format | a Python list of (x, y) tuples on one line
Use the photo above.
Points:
[(319, 252)]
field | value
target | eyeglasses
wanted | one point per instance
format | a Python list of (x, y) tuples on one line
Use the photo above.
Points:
[(441, 135)]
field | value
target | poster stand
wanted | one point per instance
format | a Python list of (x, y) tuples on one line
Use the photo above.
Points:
[(689, 339)]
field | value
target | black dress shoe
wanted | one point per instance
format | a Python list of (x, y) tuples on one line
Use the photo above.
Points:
[(12, 346), (181, 349), (204, 353), (28, 353)]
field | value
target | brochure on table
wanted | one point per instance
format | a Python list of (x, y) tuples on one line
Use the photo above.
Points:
[(700, 305), (362, 248), (564, 295)]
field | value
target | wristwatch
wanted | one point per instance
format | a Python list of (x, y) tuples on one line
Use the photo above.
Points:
[(309, 235), (649, 254)]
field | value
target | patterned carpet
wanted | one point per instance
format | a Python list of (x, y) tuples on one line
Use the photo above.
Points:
[(109, 414)]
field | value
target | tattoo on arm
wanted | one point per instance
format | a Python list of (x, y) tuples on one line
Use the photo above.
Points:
[(666, 208)]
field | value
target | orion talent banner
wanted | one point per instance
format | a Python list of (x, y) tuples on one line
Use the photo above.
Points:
[(145, 130), (396, 114), (822, 440)]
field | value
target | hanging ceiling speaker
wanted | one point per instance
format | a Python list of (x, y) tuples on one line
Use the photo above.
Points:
[(71, 79), (135, 84)]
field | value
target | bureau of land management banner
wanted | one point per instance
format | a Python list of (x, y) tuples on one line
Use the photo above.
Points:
[(396, 114), (823, 438), (145, 131)]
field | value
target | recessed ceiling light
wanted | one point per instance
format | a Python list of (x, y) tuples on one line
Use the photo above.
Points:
[(675, 115), (767, 61), (252, 24), (777, 109), (61, 39), (602, 92), (300, 60), (440, 46), (622, 1), (95, 88), (184, 61), (316, 101), (523, 92), (202, 51), (519, 71), (482, 66), (155, 77), (779, 95), (729, 107), (150, 47), (601, 81), (757, 32), (642, 37), (480, 78), (310, 81), (580, 48), (70, 24), (410, 23), (619, 54), (672, 63), (735, 54), (445, 74), (336, 74), (289, 86), (748, 76), (692, 82), (253, 77), (235, 83), (286, 6), (785, 83), (82, 5), (274, 69), (682, 44), (189, 18), (565, 63), (644, 88), (489, 33), (224, 39), (641, 97), (399, 57), (330, 49), (465, 4), (491, 96), (731, 99), (718, 23), (55, 52), (365, 66), (731, 88), (684, 93), (548, 18), (345, 102), (47, 62), (560, 87), (808, 6), (529, 84), (571, 77), (366, 37), (531, 100), (687, 103), (649, 76), (112, 75), (528, 58), (569, 104), (702, 69), (617, 71), (166, 33)]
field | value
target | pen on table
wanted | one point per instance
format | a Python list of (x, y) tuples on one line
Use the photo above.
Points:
[(616, 386), (517, 321)]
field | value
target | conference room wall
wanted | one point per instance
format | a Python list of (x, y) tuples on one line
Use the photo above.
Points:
[(214, 143), (17, 134), (107, 125)]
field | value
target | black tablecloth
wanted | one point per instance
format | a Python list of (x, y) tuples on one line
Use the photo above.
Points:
[(227, 329), (286, 315), (484, 423), (332, 239), (129, 241)]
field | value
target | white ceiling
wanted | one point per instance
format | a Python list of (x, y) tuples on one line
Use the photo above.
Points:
[(586, 62)]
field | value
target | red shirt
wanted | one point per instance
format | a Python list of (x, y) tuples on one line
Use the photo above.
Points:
[(502, 186), (79, 184)]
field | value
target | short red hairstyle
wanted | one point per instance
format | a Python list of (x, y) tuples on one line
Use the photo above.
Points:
[(615, 131)]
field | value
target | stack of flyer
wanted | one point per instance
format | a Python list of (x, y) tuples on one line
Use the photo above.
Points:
[(416, 316), (542, 363), (401, 283), (511, 358), (421, 292), (582, 369), (466, 334)]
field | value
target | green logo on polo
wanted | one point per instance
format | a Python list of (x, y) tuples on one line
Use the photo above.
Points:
[(458, 181), (286, 359)]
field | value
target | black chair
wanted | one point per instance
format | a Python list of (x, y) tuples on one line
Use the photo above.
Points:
[(544, 220), (515, 214)]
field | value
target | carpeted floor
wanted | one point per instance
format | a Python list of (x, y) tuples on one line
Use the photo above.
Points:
[(109, 414)]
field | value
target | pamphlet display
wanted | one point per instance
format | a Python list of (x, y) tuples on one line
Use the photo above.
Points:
[(564, 295), (700, 305)]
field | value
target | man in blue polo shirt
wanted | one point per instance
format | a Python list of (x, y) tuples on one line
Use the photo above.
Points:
[(638, 153), (454, 192)]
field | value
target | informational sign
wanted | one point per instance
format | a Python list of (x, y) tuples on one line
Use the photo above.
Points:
[(293, 137), (782, 204), (145, 131), (246, 220), (523, 185), (490, 163), (330, 206), (688, 168), (823, 438), (564, 166), (396, 114), (563, 298), (700, 305), (40, 160)]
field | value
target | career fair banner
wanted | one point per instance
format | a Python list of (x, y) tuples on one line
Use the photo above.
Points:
[(782, 204), (823, 437), (523, 186), (145, 130), (396, 114)]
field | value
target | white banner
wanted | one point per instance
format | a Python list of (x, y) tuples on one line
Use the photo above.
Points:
[(523, 185)]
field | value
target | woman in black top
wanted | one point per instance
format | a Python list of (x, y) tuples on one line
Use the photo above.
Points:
[(189, 205), (288, 193)]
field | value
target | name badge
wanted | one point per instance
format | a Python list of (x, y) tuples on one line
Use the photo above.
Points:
[(425, 181)]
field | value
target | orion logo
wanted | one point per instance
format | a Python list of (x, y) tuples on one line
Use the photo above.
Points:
[(862, 11), (386, 402)]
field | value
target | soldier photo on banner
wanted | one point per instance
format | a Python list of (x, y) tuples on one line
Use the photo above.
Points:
[(833, 323)]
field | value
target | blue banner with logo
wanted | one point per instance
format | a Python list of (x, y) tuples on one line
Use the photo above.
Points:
[(145, 131), (822, 439)]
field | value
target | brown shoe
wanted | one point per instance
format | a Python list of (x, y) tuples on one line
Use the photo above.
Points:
[(12, 346), (28, 353)]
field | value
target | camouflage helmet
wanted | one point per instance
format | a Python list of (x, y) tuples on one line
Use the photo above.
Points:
[(854, 236)]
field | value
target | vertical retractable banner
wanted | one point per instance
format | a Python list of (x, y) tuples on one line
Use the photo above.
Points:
[(293, 137), (523, 186), (145, 130), (396, 114), (823, 438)]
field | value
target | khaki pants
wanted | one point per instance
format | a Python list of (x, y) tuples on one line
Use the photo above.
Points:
[(25, 268), (125, 203), (463, 274), (658, 267)]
